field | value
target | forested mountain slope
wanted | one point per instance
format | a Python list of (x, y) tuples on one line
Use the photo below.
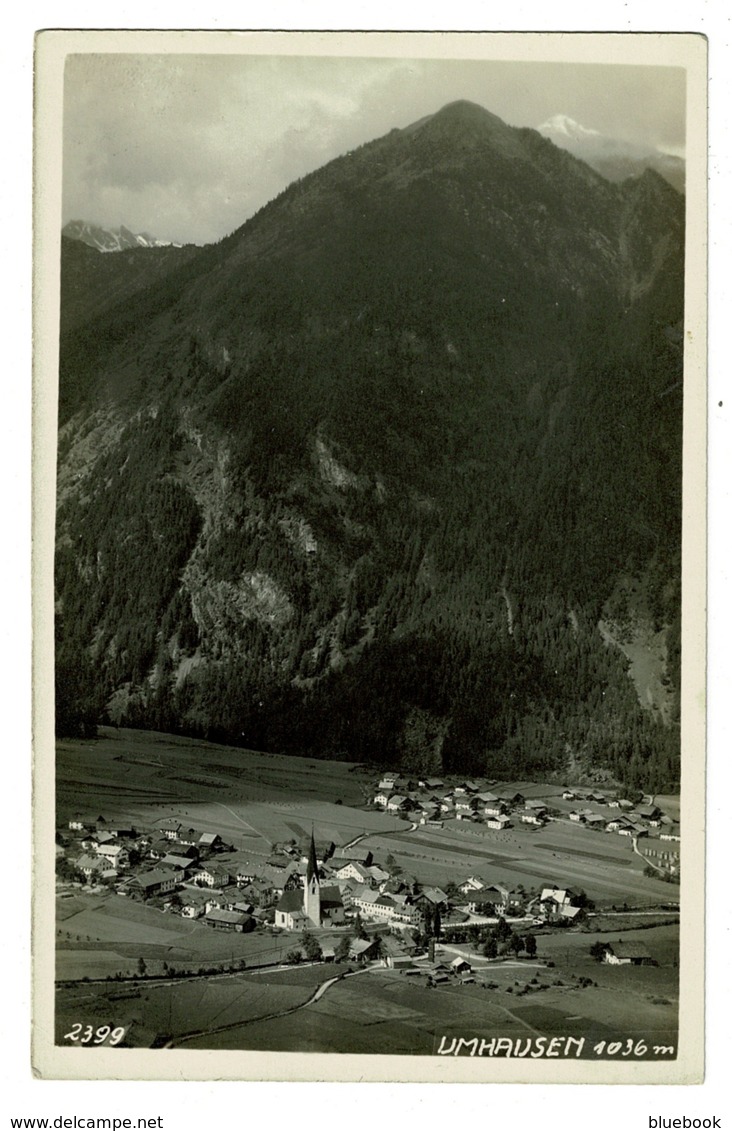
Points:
[(391, 471)]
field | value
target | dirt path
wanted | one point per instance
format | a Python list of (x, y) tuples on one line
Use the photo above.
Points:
[(176, 1041)]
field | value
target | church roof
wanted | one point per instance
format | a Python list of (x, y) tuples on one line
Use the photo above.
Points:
[(312, 863), (291, 900)]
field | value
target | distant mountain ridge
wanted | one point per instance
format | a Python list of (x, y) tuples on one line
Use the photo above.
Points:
[(614, 158), (367, 476), (110, 239)]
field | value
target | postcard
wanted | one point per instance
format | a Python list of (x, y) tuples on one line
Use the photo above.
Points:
[(369, 574)]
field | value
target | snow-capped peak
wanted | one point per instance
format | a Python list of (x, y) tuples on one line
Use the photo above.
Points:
[(564, 126)]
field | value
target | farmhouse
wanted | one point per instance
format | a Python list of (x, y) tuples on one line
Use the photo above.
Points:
[(115, 854), (90, 865), (213, 875), (230, 921), (628, 954), (473, 883), (210, 841), (355, 853), (399, 804), (159, 881), (353, 871), (172, 860), (499, 823), (362, 950)]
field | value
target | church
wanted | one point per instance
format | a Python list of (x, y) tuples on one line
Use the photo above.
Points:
[(311, 906)]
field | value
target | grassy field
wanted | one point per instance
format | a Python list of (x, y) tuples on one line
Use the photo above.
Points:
[(562, 853), (562, 991), (251, 799), (113, 924)]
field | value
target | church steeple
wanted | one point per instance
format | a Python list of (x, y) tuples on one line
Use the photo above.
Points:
[(311, 901)]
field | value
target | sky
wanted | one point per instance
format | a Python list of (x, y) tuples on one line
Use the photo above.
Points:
[(187, 147)]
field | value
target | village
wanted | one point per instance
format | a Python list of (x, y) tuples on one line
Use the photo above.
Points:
[(343, 902)]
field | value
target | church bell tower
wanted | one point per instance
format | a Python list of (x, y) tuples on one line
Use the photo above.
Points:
[(311, 902)]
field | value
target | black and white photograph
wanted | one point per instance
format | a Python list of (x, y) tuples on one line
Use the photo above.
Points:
[(371, 724)]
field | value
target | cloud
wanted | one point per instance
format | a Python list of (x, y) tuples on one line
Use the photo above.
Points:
[(189, 146)]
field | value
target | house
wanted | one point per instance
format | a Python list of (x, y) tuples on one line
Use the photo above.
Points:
[(460, 966), (511, 797), (210, 841), (353, 871), (193, 905), (473, 883), (568, 795), (558, 903), (650, 813), (170, 828), (533, 818), (157, 882), (213, 875), (90, 865), (594, 820), (246, 871), (467, 804), (114, 854), (182, 863), (230, 921), (378, 875), (494, 808), (628, 954), (482, 903), (617, 824), (373, 904), (499, 823), (398, 803), (363, 950), (382, 798), (158, 849), (355, 853)]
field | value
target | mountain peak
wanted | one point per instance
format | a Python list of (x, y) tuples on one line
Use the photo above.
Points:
[(468, 114), (561, 125)]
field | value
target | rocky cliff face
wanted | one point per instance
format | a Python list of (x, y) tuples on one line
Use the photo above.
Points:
[(361, 477)]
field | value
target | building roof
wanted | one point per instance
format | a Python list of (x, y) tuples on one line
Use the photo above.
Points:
[(177, 861), (629, 950), (434, 895), (360, 946), (291, 901), (86, 861), (232, 917), (157, 876)]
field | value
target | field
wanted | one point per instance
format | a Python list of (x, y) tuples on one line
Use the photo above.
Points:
[(383, 1011), (562, 853), (252, 800)]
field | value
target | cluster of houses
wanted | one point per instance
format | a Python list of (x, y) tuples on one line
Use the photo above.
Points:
[(314, 884), (631, 820), (431, 802)]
